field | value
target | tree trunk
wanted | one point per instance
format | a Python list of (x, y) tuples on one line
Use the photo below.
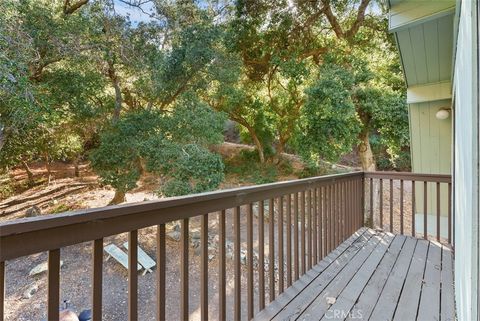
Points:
[(3, 137), (76, 167), (142, 168), (118, 198), (31, 181), (368, 164), (259, 146), (118, 92), (48, 167), (365, 152), (253, 135)]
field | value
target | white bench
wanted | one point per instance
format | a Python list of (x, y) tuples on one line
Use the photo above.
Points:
[(146, 261), (122, 258)]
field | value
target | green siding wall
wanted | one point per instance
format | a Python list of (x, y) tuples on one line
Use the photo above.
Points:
[(431, 139), (431, 148)]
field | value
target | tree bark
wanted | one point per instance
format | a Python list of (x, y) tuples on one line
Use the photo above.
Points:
[(253, 135), (368, 164), (365, 151), (31, 181), (76, 167), (118, 92), (258, 144), (118, 198), (3, 136), (69, 8)]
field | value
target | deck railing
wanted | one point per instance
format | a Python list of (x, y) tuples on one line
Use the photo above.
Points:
[(409, 203), (294, 225)]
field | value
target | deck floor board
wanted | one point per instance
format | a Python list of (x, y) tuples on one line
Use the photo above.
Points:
[(373, 275)]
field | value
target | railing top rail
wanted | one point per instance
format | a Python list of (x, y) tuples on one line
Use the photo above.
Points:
[(59, 230), (440, 178)]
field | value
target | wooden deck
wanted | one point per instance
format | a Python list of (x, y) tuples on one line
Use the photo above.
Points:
[(373, 276)]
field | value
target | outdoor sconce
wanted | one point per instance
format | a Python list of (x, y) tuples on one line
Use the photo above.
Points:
[(443, 113)]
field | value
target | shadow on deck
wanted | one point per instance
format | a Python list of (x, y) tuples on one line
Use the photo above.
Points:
[(373, 275)]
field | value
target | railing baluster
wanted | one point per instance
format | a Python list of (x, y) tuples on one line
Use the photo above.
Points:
[(347, 211), (184, 311), (354, 203), (302, 231), (289, 240), (344, 210), (261, 255), (449, 213), (132, 275), (372, 212), (335, 215), (330, 216), (425, 222), (438, 211), (222, 313), (53, 288), (361, 201), (237, 283), (381, 203), (401, 207), (309, 229), (295, 237), (271, 249), (204, 267), (340, 211), (358, 202), (250, 298), (161, 267), (391, 205), (320, 233), (314, 226), (413, 209), (280, 246), (97, 274), (351, 224), (2, 290), (325, 220)]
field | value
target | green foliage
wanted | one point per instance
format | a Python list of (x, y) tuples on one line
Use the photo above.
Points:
[(187, 168), (118, 158), (329, 125), (247, 168), (171, 145), (6, 187)]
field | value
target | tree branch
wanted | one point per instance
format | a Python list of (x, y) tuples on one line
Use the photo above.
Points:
[(332, 19), (327, 9), (69, 8), (359, 20)]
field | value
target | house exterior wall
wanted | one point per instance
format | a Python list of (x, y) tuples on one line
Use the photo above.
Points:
[(431, 148), (466, 158)]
